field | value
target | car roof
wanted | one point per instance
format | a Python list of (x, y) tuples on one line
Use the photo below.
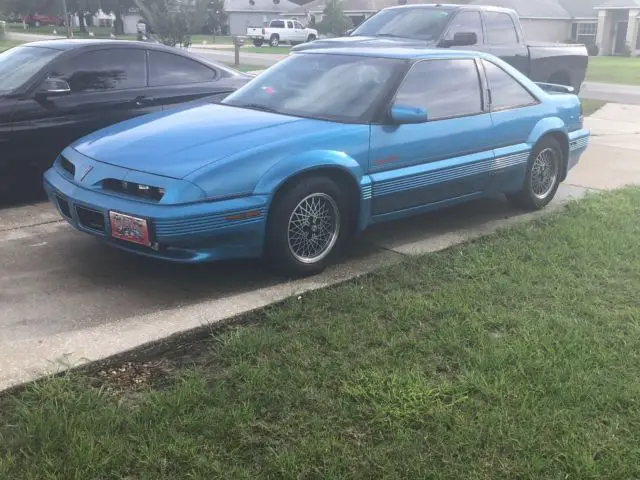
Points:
[(400, 53), (65, 44), (451, 6)]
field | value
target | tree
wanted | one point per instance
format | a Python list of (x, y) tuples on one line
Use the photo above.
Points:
[(118, 8), (172, 20), (334, 21), (217, 17)]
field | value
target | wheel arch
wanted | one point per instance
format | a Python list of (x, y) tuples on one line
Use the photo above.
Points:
[(555, 128), (345, 171)]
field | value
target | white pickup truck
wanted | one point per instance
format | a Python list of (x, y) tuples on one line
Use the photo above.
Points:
[(282, 30)]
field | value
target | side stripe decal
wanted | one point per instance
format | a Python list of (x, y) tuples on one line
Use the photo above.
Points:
[(422, 180)]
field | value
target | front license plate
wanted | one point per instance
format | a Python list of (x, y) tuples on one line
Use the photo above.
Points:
[(130, 229)]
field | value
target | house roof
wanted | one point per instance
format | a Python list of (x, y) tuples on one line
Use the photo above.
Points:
[(619, 4), (529, 8), (261, 6), (581, 8)]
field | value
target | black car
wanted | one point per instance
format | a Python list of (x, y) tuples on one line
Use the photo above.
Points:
[(54, 92)]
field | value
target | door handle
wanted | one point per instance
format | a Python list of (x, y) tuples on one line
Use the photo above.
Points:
[(141, 101)]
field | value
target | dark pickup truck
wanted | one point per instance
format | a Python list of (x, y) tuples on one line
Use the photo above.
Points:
[(470, 27)]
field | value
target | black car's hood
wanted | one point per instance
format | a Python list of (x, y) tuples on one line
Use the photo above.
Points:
[(354, 41)]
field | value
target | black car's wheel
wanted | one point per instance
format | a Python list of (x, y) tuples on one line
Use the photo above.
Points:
[(544, 171), (311, 38), (274, 41), (258, 42), (306, 226)]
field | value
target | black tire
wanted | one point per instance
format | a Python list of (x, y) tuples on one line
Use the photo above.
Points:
[(274, 41), (528, 198), (279, 253), (311, 38), (258, 43)]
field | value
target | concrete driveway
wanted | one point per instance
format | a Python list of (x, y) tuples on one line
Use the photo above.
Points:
[(65, 298)]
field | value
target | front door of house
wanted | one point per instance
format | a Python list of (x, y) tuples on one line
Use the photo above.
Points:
[(621, 38)]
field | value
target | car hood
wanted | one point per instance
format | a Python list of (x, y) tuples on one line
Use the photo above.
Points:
[(180, 141), (357, 41)]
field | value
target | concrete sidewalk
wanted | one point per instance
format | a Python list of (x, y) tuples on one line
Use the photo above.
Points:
[(66, 299)]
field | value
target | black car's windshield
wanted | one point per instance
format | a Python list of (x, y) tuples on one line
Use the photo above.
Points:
[(19, 64), (417, 23), (323, 86)]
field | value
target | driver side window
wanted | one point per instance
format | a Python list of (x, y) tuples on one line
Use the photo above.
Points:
[(466, 22), (429, 85)]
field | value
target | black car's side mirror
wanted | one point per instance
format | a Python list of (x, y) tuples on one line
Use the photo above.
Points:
[(53, 87), (461, 39)]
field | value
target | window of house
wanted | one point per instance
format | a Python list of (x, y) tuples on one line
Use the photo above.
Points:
[(500, 29), (428, 86), (585, 33), (506, 91)]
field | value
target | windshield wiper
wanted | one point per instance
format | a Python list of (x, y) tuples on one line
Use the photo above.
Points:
[(257, 106), (392, 35)]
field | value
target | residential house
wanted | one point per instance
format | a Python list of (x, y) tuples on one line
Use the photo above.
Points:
[(256, 13), (617, 32)]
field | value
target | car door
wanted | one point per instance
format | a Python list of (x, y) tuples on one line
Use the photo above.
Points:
[(300, 35), (467, 21), (505, 41), (175, 79), (515, 112), (445, 158), (289, 32), (106, 86)]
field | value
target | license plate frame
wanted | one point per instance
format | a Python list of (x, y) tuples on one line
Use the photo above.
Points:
[(129, 228)]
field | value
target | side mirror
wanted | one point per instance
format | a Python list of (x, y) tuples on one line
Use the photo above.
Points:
[(349, 32), (54, 87), (462, 39), (402, 114)]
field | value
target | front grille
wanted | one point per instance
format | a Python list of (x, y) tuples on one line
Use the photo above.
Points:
[(64, 206), (90, 219), (137, 190), (67, 166)]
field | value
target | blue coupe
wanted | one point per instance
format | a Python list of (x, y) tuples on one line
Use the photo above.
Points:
[(322, 145)]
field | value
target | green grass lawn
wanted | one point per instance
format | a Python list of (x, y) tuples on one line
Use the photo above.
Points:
[(591, 106), (623, 70), (209, 39), (513, 356), (266, 49), (98, 32), (6, 44), (245, 68)]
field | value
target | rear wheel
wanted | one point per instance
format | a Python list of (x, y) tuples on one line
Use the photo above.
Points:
[(258, 42), (306, 227), (274, 41), (544, 171)]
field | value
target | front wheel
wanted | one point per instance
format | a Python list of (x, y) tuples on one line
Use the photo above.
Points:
[(274, 41), (311, 38), (544, 171), (305, 228)]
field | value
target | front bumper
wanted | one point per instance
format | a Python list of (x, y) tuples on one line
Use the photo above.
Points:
[(189, 233)]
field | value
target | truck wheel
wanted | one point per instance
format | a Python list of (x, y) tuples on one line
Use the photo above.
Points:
[(258, 42), (311, 38), (544, 171), (306, 227), (274, 41)]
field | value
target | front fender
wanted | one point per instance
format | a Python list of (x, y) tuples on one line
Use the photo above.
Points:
[(306, 162), (545, 126)]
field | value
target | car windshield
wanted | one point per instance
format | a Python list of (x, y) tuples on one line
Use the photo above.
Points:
[(417, 23), (19, 64), (323, 86)]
